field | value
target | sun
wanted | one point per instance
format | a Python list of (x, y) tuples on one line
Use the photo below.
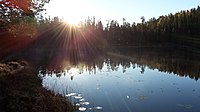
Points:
[(71, 20), (70, 11)]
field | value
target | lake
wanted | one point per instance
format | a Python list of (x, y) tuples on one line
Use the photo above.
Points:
[(128, 80)]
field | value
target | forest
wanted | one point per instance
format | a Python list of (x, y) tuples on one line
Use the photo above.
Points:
[(180, 30)]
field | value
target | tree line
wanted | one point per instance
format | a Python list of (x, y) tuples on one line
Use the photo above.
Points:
[(168, 28), (180, 28)]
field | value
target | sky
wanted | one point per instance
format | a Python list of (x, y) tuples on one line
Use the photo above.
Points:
[(132, 10)]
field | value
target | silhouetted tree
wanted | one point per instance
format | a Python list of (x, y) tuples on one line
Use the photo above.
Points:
[(15, 10)]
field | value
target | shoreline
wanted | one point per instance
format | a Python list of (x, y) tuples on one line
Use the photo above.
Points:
[(21, 90)]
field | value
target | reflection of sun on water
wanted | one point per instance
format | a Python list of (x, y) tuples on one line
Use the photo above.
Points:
[(72, 71)]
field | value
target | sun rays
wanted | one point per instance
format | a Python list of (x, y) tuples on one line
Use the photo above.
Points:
[(72, 21), (65, 43), (71, 11)]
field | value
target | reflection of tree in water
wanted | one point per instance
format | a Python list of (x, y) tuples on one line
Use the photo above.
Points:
[(167, 61), (170, 61), (142, 69)]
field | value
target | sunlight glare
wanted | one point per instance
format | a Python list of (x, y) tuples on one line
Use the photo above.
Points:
[(72, 71), (70, 11), (71, 21)]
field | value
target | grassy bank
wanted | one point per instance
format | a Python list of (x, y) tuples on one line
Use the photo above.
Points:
[(21, 91)]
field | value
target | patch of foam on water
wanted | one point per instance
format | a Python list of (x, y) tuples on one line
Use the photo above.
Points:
[(78, 97), (82, 109), (85, 103), (82, 99), (70, 94), (77, 104), (98, 108), (81, 102)]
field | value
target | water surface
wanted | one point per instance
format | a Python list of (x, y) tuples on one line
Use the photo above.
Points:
[(137, 82)]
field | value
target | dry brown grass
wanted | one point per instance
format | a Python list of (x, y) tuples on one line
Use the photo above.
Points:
[(21, 91), (10, 68)]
